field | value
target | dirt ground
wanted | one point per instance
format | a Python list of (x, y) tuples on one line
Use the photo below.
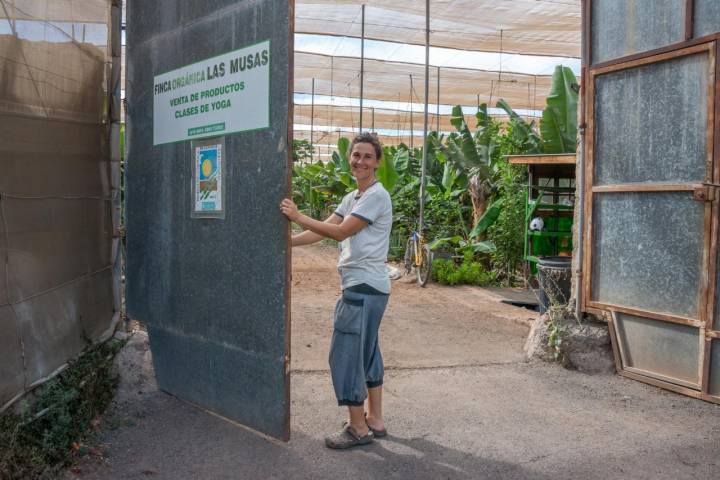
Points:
[(433, 327), (460, 403)]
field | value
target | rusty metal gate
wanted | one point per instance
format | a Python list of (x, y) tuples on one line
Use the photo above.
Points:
[(651, 187)]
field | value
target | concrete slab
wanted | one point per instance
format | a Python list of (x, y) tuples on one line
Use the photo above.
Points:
[(459, 404), (519, 421)]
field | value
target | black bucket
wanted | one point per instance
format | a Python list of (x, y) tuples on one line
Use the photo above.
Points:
[(555, 279)]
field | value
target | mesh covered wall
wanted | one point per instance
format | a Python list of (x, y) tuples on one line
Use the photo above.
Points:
[(58, 207)]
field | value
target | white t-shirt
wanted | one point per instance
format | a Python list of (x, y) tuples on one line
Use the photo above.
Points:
[(363, 255)]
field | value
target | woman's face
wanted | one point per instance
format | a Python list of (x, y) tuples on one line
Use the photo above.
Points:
[(363, 161)]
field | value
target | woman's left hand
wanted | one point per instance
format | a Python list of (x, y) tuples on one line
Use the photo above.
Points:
[(289, 209)]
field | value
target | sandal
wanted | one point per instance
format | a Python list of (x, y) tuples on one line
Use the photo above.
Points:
[(348, 437), (377, 433)]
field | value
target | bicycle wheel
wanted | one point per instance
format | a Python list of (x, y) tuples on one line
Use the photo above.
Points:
[(409, 255), (423, 271)]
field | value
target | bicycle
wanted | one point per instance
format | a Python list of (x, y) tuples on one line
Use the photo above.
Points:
[(418, 255)]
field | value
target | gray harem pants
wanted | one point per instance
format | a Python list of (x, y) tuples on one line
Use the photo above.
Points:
[(355, 360)]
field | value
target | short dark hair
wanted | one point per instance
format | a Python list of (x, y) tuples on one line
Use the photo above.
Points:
[(371, 138)]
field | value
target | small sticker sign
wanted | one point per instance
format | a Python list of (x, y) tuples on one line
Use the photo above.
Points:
[(208, 178)]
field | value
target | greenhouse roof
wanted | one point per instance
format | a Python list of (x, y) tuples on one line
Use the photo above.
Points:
[(485, 50), (538, 27)]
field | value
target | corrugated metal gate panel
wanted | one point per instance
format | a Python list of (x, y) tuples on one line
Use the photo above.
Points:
[(635, 140), (714, 387), (627, 27), (651, 228), (213, 292), (663, 348), (653, 242), (706, 17)]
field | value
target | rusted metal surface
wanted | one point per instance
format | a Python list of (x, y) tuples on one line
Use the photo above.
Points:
[(622, 27)]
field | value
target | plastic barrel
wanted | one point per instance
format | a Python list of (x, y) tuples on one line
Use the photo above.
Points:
[(555, 279)]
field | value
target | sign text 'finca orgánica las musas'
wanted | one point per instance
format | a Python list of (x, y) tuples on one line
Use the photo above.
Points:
[(225, 94)]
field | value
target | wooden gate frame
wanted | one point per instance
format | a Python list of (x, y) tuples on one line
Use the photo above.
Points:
[(707, 192)]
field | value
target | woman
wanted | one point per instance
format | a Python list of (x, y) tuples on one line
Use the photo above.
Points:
[(362, 224)]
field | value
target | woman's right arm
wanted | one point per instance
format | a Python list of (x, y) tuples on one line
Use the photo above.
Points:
[(309, 237)]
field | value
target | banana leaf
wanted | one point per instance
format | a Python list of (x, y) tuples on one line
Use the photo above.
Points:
[(485, 246), (386, 174), (401, 159), (449, 176), (489, 217), (343, 151), (466, 143), (558, 126), (441, 242)]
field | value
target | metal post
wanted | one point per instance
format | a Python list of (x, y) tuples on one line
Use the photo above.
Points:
[(373, 119), (362, 66), (425, 125), (332, 96), (412, 131), (437, 110), (312, 121), (398, 119)]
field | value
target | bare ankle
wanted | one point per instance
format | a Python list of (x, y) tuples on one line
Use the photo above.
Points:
[(361, 429), (374, 419)]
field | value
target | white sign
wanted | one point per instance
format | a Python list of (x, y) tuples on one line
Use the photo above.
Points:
[(225, 94)]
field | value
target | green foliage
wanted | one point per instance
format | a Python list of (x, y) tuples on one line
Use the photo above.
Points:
[(556, 334), (39, 440), (489, 217), (506, 233), (471, 154), (520, 137), (386, 174), (474, 200), (319, 187), (302, 150), (469, 272), (559, 126)]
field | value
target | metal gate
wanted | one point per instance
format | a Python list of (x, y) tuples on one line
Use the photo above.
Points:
[(209, 110), (651, 166)]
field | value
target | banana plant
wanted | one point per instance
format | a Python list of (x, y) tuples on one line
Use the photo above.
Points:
[(472, 154), (524, 134), (559, 127)]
